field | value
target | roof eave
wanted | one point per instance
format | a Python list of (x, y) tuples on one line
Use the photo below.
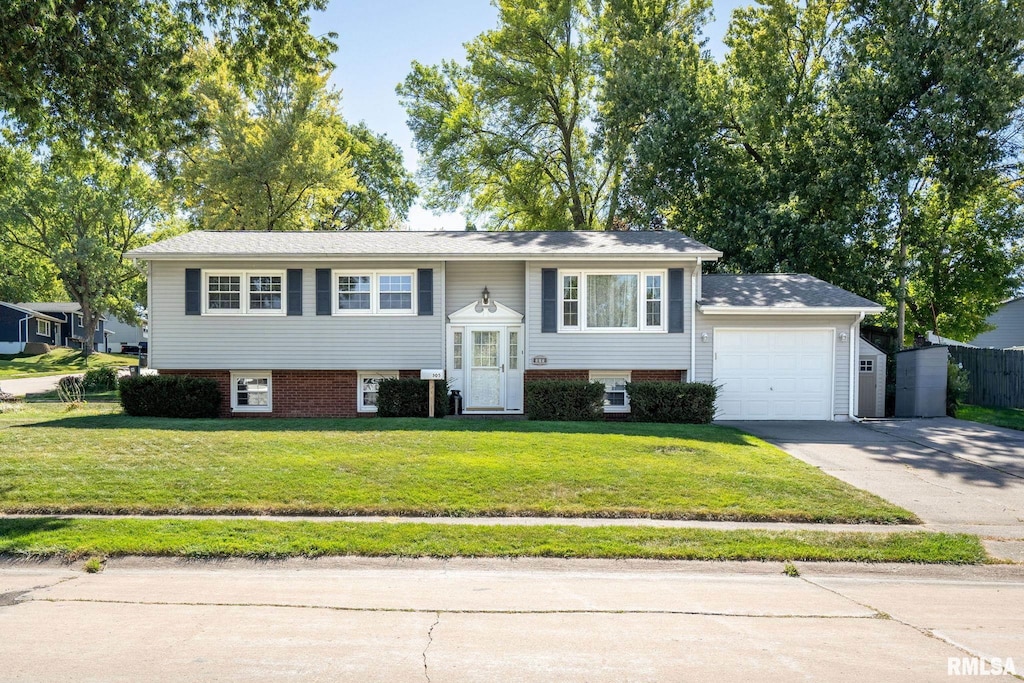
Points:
[(789, 310), (263, 256)]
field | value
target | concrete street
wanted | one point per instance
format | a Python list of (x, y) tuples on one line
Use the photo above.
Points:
[(30, 385), (483, 620)]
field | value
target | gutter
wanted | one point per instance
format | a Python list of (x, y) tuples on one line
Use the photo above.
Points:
[(854, 358), (694, 279)]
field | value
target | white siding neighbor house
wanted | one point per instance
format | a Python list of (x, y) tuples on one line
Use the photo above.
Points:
[(1008, 324), (305, 324)]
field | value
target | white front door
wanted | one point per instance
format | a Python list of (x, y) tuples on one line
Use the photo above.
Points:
[(486, 370)]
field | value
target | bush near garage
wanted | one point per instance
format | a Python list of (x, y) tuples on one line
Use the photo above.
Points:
[(678, 402), (170, 396), (564, 400), (410, 397)]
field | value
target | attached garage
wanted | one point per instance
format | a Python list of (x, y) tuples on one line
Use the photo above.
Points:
[(779, 346), (782, 374)]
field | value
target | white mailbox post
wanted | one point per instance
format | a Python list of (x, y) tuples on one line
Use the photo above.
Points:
[(432, 375)]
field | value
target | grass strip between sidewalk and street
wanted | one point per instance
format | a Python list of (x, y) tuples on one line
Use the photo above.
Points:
[(75, 538)]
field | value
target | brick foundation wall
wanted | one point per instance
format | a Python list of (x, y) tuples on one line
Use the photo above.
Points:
[(658, 376), (532, 375), (298, 393)]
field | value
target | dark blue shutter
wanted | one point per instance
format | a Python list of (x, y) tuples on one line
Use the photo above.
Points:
[(323, 291), (193, 293), (295, 291), (675, 299), (549, 300), (425, 291)]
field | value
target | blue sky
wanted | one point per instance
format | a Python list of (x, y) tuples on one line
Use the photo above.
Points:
[(378, 40)]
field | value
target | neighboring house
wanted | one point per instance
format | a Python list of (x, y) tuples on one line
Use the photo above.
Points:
[(1009, 327), (305, 324), (71, 330), (120, 333), (20, 325)]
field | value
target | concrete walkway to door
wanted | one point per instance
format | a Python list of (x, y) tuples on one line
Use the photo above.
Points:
[(955, 475)]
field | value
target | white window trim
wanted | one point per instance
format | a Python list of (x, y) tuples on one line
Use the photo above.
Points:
[(379, 374), (375, 308), (601, 375), (243, 294), (45, 325), (235, 376), (581, 293)]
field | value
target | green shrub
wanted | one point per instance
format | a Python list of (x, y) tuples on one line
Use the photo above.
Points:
[(550, 399), (70, 389), (170, 396), (100, 379), (957, 386), (690, 402), (410, 398)]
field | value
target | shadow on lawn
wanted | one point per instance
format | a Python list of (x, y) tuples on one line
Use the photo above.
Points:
[(708, 433), (11, 528)]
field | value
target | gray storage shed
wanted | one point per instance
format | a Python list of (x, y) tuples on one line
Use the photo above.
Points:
[(921, 382), (870, 381)]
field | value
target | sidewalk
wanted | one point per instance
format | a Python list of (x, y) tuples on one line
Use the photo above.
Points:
[(32, 385)]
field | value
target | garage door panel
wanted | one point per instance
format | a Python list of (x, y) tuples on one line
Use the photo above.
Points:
[(774, 374)]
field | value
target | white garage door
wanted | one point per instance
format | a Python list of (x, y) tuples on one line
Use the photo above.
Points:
[(774, 374)]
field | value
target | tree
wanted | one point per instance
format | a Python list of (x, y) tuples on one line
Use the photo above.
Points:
[(119, 74), (507, 133), (81, 212), (273, 162), (385, 189), (931, 88), (964, 262)]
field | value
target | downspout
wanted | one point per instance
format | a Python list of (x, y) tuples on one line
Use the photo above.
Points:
[(691, 373), (854, 357)]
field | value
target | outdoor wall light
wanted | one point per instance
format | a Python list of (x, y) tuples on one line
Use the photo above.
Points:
[(704, 336), (842, 336), (485, 296)]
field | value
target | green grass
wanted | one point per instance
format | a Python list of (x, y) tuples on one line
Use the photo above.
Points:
[(77, 538), (58, 362), (1012, 418), (111, 396), (94, 459)]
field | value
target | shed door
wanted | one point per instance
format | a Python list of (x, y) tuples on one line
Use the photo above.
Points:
[(774, 374)]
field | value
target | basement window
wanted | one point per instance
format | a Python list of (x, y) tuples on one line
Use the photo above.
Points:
[(251, 392)]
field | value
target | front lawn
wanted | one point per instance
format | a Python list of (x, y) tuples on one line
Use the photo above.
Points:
[(77, 538), (59, 362), (1013, 418), (98, 460)]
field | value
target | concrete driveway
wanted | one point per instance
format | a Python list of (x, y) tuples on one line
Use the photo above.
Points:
[(955, 475)]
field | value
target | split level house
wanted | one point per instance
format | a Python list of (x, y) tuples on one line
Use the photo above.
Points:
[(51, 323), (306, 324)]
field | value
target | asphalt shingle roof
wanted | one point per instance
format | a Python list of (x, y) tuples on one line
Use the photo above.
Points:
[(433, 244), (777, 290)]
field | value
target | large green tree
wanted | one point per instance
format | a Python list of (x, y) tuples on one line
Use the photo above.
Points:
[(119, 74), (506, 135), (80, 212), (271, 162)]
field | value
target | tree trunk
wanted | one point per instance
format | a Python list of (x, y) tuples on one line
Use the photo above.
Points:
[(90, 321), (901, 294)]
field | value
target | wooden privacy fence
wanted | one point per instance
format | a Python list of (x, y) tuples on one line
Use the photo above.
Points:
[(996, 376)]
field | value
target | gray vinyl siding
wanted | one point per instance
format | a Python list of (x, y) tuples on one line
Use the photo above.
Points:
[(279, 342), (1009, 323), (703, 370), (601, 350), (464, 280)]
